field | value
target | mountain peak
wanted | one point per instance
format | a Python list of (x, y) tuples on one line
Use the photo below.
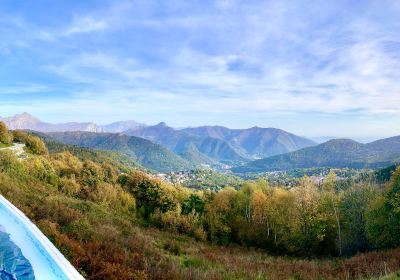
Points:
[(341, 141), (121, 126), (25, 117), (21, 121), (27, 121), (161, 124)]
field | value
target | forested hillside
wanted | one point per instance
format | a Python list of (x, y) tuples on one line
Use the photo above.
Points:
[(213, 144), (334, 153), (255, 142), (114, 223), (146, 153), (198, 149), (117, 159)]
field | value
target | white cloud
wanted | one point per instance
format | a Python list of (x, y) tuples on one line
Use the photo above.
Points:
[(23, 89), (85, 24), (274, 57)]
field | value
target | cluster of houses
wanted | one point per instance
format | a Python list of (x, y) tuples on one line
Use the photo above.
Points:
[(178, 177)]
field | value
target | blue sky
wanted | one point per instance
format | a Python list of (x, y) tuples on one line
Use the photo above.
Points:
[(311, 67)]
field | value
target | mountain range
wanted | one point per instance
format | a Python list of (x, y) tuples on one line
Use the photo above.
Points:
[(163, 148), (337, 153), (197, 149), (211, 145), (255, 142), (27, 121)]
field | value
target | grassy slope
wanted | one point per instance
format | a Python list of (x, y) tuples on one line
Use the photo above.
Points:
[(101, 240), (390, 276), (160, 255), (2, 145)]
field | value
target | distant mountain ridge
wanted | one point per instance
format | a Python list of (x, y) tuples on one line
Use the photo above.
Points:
[(255, 142), (340, 153), (210, 145), (205, 150), (27, 121), (121, 126)]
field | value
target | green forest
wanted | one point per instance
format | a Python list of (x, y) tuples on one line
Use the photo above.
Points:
[(114, 221)]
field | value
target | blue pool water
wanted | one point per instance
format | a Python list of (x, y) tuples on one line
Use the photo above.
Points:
[(38, 253), (13, 264)]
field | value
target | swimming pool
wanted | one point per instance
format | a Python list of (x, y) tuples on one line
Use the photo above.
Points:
[(45, 259)]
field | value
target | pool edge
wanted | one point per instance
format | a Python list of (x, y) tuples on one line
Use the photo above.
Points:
[(61, 261)]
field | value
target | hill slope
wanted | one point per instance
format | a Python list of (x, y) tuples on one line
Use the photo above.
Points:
[(144, 152), (220, 144), (118, 160), (335, 153), (206, 150), (255, 142)]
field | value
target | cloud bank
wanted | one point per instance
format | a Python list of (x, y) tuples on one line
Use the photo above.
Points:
[(299, 65)]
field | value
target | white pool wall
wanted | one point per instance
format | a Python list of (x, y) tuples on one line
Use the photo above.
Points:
[(53, 252)]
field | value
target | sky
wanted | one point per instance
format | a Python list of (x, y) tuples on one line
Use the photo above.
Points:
[(315, 68)]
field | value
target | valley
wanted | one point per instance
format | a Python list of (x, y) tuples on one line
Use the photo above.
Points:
[(93, 194)]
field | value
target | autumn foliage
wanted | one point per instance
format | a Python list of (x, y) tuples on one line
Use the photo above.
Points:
[(124, 224)]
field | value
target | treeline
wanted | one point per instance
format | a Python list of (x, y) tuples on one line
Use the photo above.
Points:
[(5, 136), (307, 220)]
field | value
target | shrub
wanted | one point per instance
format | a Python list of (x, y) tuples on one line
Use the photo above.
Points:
[(69, 186), (173, 247), (5, 135), (20, 136), (9, 162), (200, 234), (176, 222), (91, 173), (67, 165), (35, 145), (42, 169), (112, 195), (150, 194)]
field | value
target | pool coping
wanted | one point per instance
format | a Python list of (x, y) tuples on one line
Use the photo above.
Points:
[(61, 261)]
